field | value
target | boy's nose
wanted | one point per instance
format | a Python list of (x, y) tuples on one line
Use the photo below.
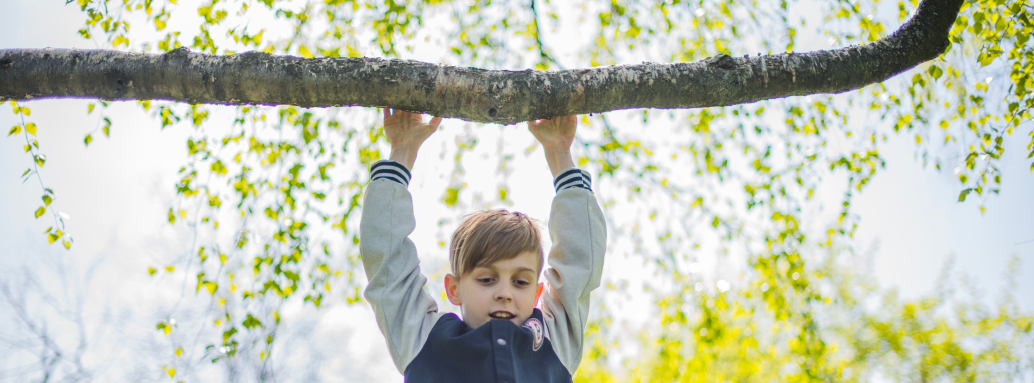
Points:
[(503, 294)]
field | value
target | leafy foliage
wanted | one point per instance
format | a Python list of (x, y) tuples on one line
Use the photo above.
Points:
[(743, 183)]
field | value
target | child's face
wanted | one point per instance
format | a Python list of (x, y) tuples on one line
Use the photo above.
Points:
[(507, 289)]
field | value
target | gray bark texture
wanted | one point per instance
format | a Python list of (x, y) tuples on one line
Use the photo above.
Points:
[(496, 96)]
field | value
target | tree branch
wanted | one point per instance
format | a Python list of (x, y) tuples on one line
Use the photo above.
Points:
[(471, 94)]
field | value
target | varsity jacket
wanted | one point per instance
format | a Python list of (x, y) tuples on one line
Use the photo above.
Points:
[(429, 347)]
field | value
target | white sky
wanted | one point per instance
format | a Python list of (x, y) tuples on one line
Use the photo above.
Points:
[(118, 190)]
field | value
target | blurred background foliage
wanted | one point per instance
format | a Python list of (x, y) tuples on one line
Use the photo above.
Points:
[(740, 216)]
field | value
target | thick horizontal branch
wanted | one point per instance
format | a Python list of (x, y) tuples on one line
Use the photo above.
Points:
[(471, 94)]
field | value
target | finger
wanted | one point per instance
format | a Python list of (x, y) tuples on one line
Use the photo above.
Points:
[(386, 112), (434, 123)]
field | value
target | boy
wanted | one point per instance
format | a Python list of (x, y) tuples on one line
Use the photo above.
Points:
[(496, 260)]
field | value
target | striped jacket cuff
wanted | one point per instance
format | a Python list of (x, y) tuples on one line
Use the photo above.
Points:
[(573, 178), (390, 170)]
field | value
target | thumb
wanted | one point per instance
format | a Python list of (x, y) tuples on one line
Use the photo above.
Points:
[(434, 123)]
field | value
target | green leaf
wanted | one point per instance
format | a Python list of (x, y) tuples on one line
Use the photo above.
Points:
[(936, 72), (172, 217), (31, 128), (15, 130), (40, 211), (47, 200), (985, 59), (51, 238), (87, 140), (229, 333), (121, 39), (962, 195), (251, 322), (242, 240), (451, 196), (918, 79), (151, 271)]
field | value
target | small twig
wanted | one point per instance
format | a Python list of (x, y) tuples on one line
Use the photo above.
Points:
[(538, 39), (35, 165)]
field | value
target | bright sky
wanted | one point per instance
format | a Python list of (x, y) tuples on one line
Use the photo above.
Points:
[(117, 191)]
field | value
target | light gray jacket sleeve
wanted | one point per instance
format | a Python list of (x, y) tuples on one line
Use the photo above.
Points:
[(579, 234), (405, 312)]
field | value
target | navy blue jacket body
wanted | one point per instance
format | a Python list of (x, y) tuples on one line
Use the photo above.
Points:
[(498, 351)]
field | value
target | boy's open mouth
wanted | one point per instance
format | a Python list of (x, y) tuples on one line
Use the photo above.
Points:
[(502, 315)]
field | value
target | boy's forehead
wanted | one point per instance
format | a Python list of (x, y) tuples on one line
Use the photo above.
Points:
[(524, 261)]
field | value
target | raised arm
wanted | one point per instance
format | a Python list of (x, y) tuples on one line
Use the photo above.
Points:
[(405, 312), (579, 234)]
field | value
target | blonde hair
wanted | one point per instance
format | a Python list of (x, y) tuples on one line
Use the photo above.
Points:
[(486, 237)]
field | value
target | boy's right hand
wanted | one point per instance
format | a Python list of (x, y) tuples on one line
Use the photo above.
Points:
[(556, 135), (406, 132)]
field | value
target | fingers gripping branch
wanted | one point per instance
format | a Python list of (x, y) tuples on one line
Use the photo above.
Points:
[(406, 132)]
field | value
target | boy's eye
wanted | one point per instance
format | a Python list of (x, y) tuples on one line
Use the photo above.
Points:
[(522, 283), (485, 280)]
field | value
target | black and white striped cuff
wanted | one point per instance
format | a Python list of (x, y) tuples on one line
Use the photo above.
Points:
[(390, 170), (573, 178)]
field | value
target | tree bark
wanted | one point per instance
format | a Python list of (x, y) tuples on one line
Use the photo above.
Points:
[(496, 96)]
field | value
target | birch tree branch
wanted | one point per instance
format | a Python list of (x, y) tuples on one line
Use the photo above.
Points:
[(472, 94)]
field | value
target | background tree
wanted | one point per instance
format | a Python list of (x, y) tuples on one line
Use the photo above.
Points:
[(753, 279)]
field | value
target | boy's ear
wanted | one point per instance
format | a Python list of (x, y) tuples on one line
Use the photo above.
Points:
[(451, 288), (538, 294)]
